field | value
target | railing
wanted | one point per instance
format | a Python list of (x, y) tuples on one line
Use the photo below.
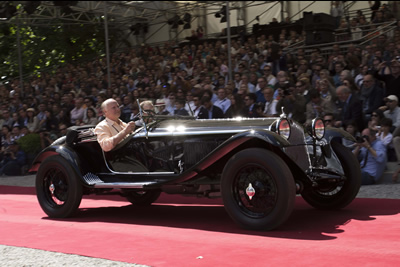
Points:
[(382, 28)]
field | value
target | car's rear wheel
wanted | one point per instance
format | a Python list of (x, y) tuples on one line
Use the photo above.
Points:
[(142, 198), (58, 189), (258, 189), (337, 195)]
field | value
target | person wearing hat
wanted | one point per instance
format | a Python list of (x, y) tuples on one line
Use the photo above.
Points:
[(393, 110), (160, 107), (33, 121), (13, 161)]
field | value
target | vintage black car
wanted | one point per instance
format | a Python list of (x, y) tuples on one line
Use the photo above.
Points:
[(257, 166)]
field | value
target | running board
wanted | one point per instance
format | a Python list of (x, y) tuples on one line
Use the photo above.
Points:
[(93, 180), (123, 185)]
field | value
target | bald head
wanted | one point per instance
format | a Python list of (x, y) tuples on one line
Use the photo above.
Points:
[(111, 110), (107, 103)]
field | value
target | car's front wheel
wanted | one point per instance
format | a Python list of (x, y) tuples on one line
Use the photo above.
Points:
[(258, 189), (58, 189), (337, 195)]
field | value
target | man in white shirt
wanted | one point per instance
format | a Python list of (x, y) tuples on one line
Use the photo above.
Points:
[(111, 131), (270, 104), (222, 102)]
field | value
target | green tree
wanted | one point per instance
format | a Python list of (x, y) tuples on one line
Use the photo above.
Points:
[(45, 47)]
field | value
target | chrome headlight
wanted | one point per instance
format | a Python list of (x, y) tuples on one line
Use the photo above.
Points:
[(318, 128), (283, 128)]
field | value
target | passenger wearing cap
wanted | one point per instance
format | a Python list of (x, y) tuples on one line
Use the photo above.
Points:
[(392, 111)]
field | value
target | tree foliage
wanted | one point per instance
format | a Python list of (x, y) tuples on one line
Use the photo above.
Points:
[(44, 47)]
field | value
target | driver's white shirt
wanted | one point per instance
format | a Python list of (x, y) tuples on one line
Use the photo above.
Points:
[(106, 131)]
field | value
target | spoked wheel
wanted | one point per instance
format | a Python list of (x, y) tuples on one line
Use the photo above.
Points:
[(334, 195), (58, 189), (142, 198), (258, 189)]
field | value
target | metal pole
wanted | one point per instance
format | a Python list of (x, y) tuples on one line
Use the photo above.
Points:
[(228, 31), (21, 81), (107, 45)]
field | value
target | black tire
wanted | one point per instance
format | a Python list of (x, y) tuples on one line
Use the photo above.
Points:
[(274, 186), (142, 198), (337, 196), (55, 173)]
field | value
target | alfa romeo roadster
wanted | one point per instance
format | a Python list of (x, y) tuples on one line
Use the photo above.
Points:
[(257, 166)]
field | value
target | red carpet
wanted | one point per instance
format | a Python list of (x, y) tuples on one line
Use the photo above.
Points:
[(176, 233)]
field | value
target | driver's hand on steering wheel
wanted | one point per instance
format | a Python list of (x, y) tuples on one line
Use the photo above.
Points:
[(130, 127)]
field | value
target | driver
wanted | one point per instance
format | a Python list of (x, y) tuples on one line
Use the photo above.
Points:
[(112, 130)]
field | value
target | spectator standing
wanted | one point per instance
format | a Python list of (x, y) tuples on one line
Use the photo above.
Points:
[(390, 75), (372, 96), (349, 108), (337, 11)]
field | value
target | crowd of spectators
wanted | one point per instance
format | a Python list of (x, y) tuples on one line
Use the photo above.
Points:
[(193, 79)]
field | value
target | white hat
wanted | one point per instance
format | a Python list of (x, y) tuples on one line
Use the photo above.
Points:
[(160, 102), (392, 97)]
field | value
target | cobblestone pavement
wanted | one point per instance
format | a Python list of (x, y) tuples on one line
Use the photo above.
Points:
[(16, 256)]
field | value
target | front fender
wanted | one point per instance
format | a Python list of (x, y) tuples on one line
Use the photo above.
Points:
[(238, 140), (332, 133), (61, 150)]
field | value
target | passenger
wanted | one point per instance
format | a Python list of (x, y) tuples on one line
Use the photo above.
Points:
[(112, 130)]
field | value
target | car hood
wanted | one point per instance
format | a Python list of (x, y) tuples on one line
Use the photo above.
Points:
[(211, 126)]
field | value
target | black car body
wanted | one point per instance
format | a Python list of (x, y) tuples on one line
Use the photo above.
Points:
[(257, 166)]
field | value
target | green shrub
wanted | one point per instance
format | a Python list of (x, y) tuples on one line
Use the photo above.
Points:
[(30, 143)]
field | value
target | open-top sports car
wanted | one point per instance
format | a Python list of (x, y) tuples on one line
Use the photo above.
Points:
[(256, 165)]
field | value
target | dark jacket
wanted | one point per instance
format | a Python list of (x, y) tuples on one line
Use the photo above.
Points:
[(217, 113), (351, 112)]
